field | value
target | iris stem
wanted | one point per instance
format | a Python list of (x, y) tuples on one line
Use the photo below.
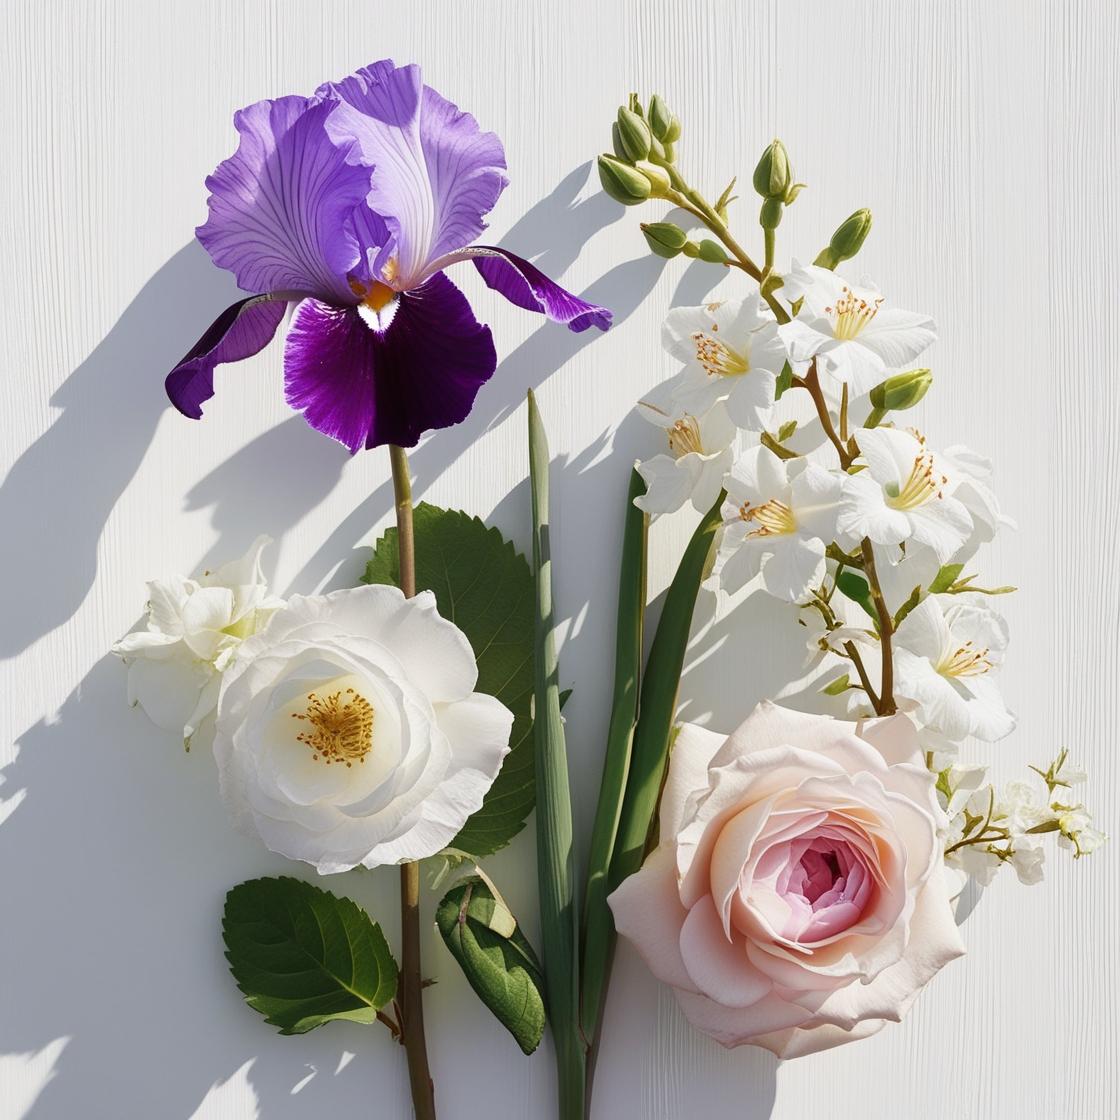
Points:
[(410, 991)]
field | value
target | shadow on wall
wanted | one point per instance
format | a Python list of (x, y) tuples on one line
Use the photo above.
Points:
[(55, 500), (118, 859)]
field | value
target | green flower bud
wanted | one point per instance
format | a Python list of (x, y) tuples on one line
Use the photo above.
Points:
[(616, 143), (903, 390), (622, 182), (772, 176), (664, 238), (850, 236), (712, 251), (663, 124), (633, 134), (691, 249), (770, 216), (659, 182)]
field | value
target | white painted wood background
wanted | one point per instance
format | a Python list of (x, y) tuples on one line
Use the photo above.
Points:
[(984, 138)]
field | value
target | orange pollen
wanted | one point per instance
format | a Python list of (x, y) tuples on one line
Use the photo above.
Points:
[(852, 313), (716, 358), (922, 485), (965, 662), (684, 437), (342, 728), (774, 518)]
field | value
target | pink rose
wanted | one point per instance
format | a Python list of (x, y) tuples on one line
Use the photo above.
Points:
[(796, 900)]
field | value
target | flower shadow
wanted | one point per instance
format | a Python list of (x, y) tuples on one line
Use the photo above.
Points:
[(110, 404)]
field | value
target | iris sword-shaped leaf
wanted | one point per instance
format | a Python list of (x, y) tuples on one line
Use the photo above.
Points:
[(559, 911), (658, 703), (598, 934)]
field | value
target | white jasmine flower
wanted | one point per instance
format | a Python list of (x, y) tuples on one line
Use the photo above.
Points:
[(348, 730), (849, 330), (699, 455), (902, 496), (969, 473), (731, 352), (944, 658), (194, 628), (1028, 857), (978, 860), (778, 516)]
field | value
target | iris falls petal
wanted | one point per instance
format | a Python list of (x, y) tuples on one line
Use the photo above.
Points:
[(239, 332), (526, 286), (365, 386)]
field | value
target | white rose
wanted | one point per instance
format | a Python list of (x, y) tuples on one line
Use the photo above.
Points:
[(348, 730), (194, 627)]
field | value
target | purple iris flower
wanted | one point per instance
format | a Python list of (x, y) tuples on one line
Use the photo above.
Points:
[(351, 203)]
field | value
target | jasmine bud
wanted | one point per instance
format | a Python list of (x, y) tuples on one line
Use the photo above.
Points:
[(712, 251), (902, 391), (663, 124), (772, 176), (664, 238), (659, 181), (847, 240), (633, 134), (622, 182)]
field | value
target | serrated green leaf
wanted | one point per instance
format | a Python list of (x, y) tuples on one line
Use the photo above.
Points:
[(946, 576), (483, 585), (497, 960), (302, 956)]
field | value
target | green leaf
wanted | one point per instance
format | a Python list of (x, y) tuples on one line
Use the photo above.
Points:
[(946, 576), (303, 956), (785, 380), (855, 587), (914, 599), (598, 924), (836, 687), (483, 585), (495, 957)]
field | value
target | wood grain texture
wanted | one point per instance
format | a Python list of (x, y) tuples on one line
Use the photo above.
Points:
[(984, 138)]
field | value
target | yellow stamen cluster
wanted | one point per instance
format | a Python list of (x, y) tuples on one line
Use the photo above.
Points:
[(921, 485), (773, 518), (965, 662), (684, 437), (851, 314), (716, 358), (342, 728)]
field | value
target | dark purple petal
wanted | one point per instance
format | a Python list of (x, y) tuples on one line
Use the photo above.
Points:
[(366, 387), (239, 332), (435, 172), (524, 284), (281, 205)]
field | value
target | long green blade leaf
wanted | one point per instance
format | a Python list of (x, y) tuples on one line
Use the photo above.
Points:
[(658, 704), (598, 937), (559, 910)]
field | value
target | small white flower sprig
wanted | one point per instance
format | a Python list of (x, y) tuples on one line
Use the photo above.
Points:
[(839, 508)]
